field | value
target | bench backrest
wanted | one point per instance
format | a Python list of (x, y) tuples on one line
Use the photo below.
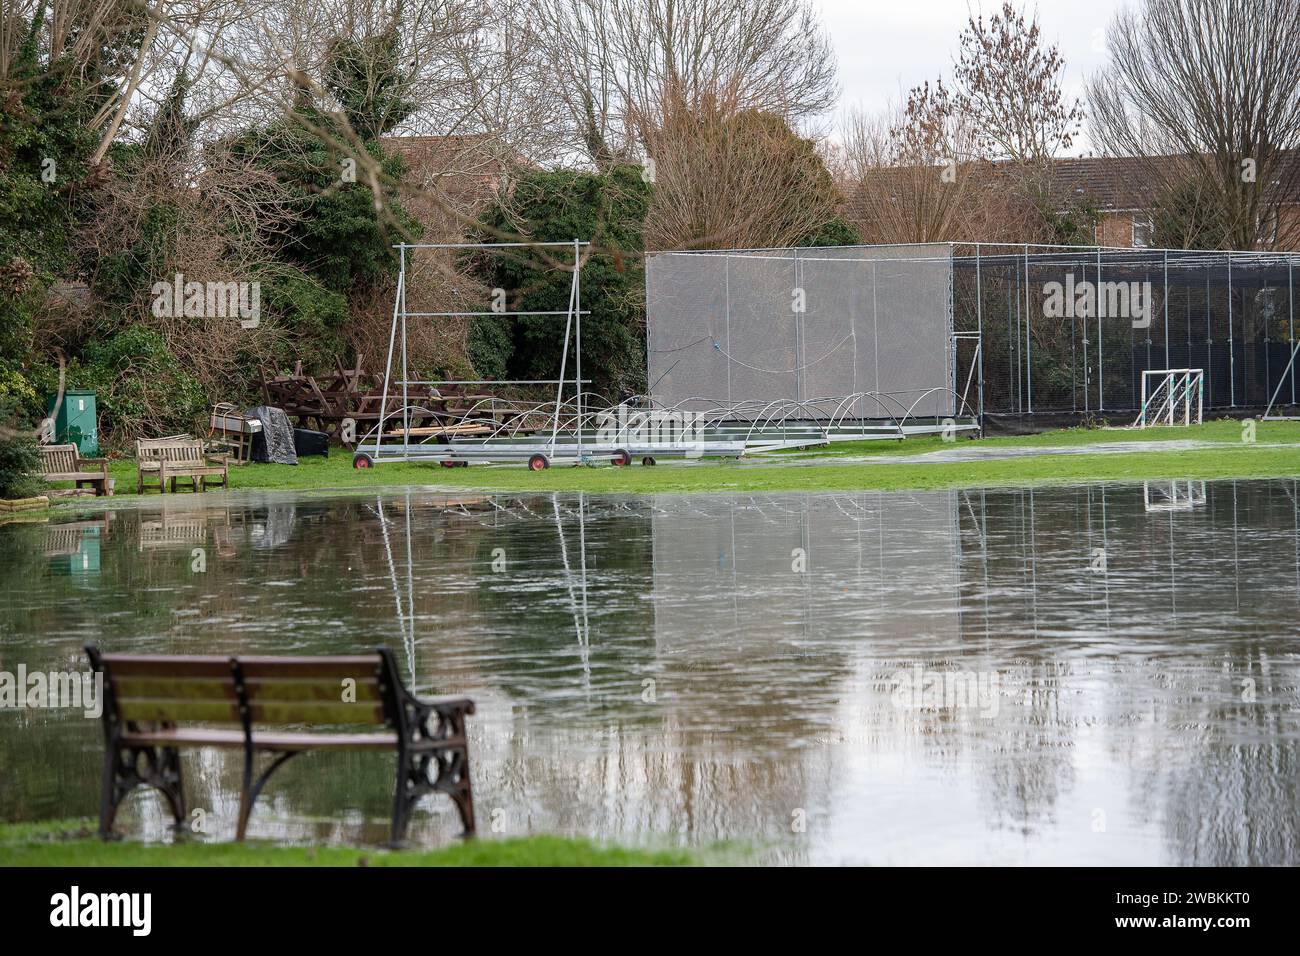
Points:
[(59, 459), (311, 691), (178, 450)]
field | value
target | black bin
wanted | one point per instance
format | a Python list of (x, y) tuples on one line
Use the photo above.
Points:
[(308, 442)]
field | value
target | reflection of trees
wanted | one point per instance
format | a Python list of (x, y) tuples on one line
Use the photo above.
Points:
[(772, 688), (1216, 775), (1232, 798)]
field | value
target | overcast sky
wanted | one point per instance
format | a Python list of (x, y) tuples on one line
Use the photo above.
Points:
[(885, 47)]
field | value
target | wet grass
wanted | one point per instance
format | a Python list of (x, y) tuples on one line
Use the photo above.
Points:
[(72, 843), (1274, 453)]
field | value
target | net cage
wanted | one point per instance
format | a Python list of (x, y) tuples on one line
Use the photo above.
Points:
[(966, 328), (1069, 329), (861, 332)]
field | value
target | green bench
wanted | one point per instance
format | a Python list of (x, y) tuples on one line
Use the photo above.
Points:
[(278, 707)]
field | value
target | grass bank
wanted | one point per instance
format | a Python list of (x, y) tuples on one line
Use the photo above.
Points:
[(72, 843), (1274, 453)]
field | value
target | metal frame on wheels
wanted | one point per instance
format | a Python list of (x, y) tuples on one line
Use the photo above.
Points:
[(560, 446)]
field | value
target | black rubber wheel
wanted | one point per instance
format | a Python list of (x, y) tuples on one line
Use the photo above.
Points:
[(648, 460), (538, 462), (362, 460), (622, 457)]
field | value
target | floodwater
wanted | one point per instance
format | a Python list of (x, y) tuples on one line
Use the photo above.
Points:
[(1076, 675)]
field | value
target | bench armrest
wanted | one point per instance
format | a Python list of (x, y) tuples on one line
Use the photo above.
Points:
[(221, 459), (447, 703), (97, 462)]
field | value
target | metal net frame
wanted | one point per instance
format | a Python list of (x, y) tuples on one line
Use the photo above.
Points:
[(851, 332), (1230, 313)]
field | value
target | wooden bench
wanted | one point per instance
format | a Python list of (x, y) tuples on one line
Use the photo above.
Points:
[(64, 463), (167, 459), (325, 700)]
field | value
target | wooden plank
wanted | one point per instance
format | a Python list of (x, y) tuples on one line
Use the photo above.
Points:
[(356, 666), (329, 689), (186, 737), (262, 740), (175, 710), (221, 689), (297, 712), (122, 665)]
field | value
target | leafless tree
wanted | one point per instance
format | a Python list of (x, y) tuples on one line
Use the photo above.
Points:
[(1008, 85), (734, 179), (1208, 92), (624, 67), (907, 175)]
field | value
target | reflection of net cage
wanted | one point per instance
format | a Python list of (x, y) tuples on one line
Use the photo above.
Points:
[(747, 328), (1231, 314)]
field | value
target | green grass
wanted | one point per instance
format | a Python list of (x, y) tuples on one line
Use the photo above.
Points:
[(1275, 453), (72, 843)]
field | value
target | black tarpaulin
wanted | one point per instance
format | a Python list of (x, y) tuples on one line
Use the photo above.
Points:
[(275, 442)]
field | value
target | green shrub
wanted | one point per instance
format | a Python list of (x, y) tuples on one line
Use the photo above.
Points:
[(142, 388), (20, 462)]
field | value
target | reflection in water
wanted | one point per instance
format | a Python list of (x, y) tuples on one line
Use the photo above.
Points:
[(1095, 674)]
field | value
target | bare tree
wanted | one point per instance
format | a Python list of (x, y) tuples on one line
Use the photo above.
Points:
[(734, 179), (624, 67), (1008, 84), (1208, 92), (901, 172)]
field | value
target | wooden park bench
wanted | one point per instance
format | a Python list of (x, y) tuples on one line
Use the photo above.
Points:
[(167, 459), (152, 702), (64, 463)]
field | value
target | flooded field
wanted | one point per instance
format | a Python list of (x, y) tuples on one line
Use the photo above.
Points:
[(1078, 675)]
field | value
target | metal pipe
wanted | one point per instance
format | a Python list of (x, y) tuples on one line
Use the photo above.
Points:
[(482, 315), (577, 302), (388, 367), (1029, 340), (1232, 359)]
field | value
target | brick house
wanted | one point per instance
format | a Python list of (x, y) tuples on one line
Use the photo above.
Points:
[(1125, 198)]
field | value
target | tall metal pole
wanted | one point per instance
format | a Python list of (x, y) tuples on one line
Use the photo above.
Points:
[(1101, 363), (577, 325), (406, 412), (564, 362), (1029, 341), (388, 366), (979, 325), (1166, 297), (1232, 358), (1087, 369)]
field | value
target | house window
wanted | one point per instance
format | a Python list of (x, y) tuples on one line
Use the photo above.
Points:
[(1143, 228)]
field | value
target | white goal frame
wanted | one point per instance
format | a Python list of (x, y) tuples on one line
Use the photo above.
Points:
[(1171, 396)]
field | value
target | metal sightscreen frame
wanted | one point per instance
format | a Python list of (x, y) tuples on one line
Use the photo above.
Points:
[(800, 257), (573, 325)]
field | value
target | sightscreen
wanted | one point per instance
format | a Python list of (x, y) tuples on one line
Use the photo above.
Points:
[(803, 325)]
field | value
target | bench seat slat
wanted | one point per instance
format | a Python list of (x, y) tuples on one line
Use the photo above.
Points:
[(172, 709), (298, 712), (261, 712), (277, 740)]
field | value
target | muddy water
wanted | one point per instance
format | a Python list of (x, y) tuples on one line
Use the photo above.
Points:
[(1078, 675)]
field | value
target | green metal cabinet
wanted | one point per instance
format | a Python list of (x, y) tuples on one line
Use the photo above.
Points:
[(76, 420)]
